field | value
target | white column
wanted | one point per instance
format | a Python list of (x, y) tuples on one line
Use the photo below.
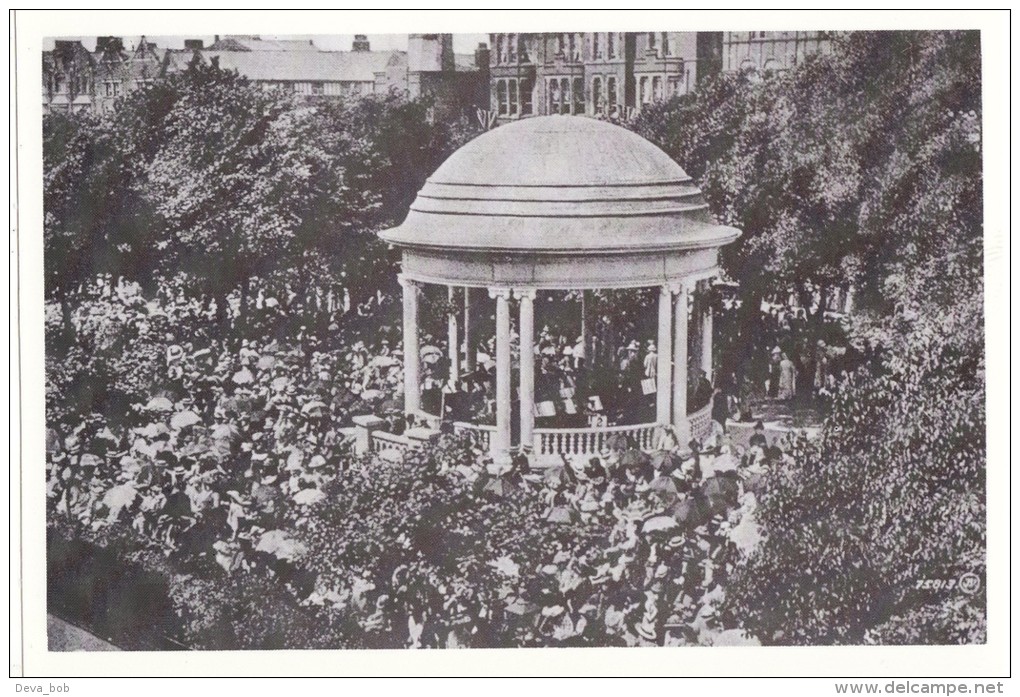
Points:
[(412, 354), (452, 339), (664, 382), (501, 439), (694, 328), (527, 345), (680, 364), (469, 340), (706, 331), (585, 328)]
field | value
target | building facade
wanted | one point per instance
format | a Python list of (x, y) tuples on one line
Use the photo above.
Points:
[(594, 73), (771, 50), (75, 79), (617, 73), (69, 78)]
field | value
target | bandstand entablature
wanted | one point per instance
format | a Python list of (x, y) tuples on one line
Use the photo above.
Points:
[(559, 271)]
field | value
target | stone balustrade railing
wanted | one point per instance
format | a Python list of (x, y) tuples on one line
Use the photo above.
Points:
[(552, 443), (482, 433), (549, 445)]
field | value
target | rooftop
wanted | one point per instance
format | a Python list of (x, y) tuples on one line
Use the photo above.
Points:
[(304, 66)]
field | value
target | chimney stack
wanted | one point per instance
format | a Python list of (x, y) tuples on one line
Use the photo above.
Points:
[(482, 56), (194, 44), (360, 43)]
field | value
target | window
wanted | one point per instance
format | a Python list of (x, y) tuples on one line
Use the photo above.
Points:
[(673, 86), (596, 46), (596, 95), (526, 88), (511, 47), (112, 88), (652, 42), (58, 83), (643, 94), (318, 88), (499, 48), (561, 44), (611, 45), (611, 94), (522, 48), (572, 43), (578, 93), (512, 90), (501, 98), (657, 88), (554, 96), (665, 44)]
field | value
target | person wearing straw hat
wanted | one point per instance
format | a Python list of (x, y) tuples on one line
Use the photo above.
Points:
[(651, 362)]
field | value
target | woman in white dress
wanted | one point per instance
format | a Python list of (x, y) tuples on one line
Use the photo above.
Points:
[(787, 378)]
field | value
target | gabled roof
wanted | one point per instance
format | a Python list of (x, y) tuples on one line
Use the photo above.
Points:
[(66, 52)]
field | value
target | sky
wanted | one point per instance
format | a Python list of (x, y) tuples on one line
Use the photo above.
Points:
[(462, 43)]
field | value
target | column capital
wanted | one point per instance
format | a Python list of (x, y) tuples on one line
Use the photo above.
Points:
[(521, 293), (677, 286), (406, 282), (498, 292)]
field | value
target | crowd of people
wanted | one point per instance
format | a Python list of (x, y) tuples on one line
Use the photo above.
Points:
[(664, 533), (213, 436), (791, 360)]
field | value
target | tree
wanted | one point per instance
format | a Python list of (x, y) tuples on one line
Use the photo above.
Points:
[(892, 495)]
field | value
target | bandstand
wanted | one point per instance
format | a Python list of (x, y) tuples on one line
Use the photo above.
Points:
[(560, 203)]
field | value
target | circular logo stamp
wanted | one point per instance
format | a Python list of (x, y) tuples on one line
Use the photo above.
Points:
[(969, 583)]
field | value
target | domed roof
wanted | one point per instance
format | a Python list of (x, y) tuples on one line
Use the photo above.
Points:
[(559, 184)]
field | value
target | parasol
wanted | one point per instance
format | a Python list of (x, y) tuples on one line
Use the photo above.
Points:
[(307, 497), (314, 405), (562, 515), (183, 419), (159, 404), (634, 458), (664, 484), (618, 442), (691, 511), (281, 545), (243, 377), (666, 461), (660, 523), (556, 476), (721, 493)]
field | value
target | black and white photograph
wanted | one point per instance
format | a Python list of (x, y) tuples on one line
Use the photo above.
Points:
[(513, 339)]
